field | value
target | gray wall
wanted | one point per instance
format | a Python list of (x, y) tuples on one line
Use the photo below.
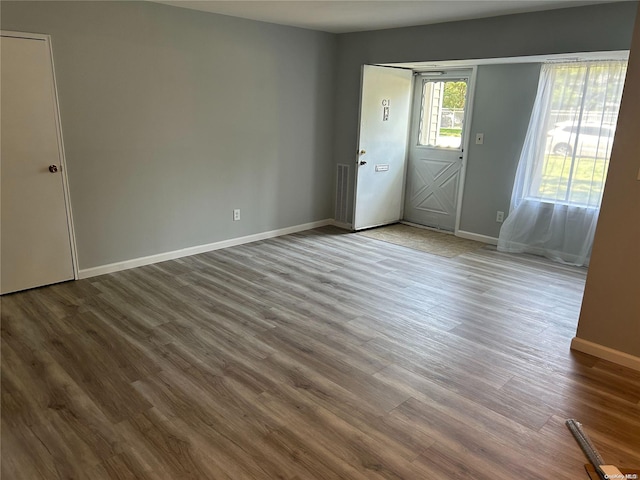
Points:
[(504, 97), (583, 29), (172, 118)]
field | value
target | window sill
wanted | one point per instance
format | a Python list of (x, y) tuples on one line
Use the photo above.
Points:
[(558, 204)]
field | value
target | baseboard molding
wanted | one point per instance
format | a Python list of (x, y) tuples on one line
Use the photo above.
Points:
[(606, 353), (477, 237), (185, 252)]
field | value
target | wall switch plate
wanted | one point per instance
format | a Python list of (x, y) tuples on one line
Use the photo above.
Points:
[(479, 138), (499, 216), (236, 214)]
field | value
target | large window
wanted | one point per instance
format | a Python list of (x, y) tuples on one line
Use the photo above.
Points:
[(564, 161), (576, 126)]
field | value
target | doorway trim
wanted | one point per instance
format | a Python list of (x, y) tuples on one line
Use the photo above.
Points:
[(465, 141), (61, 153)]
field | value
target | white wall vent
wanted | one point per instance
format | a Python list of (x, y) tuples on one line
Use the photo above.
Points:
[(342, 193)]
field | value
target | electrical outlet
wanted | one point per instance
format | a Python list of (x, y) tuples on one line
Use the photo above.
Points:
[(236, 214), (479, 138), (499, 216)]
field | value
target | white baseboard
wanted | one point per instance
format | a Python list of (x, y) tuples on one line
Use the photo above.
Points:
[(185, 252), (606, 353), (477, 237)]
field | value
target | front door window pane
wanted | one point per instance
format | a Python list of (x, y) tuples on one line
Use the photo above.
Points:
[(442, 113)]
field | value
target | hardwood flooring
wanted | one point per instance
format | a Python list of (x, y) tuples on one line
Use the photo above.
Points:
[(321, 355)]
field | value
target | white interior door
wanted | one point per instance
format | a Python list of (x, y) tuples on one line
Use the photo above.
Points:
[(380, 164), (35, 240), (436, 152)]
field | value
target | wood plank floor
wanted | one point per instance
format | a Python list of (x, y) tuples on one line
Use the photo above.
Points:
[(317, 355)]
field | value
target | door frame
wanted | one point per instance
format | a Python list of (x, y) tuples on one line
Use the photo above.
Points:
[(61, 153), (471, 87)]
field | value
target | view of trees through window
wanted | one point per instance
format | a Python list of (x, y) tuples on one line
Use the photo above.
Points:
[(442, 114)]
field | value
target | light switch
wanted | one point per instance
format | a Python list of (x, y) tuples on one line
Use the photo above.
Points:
[(479, 138)]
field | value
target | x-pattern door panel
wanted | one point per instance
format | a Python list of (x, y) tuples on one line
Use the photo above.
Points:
[(433, 189)]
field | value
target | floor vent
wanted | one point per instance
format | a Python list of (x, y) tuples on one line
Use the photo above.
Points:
[(342, 193)]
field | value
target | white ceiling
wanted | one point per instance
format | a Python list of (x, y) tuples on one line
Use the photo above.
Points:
[(339, 16)]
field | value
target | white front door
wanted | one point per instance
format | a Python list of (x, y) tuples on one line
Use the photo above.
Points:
[(35, 242), (382, 141), (438, 133)]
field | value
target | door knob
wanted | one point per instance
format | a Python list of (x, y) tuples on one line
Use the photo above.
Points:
[(362, 152), (53, 168), (362, 162)]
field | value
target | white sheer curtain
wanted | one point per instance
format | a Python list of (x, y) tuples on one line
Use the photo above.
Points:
[(564, 161)]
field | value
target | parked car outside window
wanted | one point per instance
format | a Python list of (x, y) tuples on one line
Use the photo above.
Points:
[(593, 139)]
